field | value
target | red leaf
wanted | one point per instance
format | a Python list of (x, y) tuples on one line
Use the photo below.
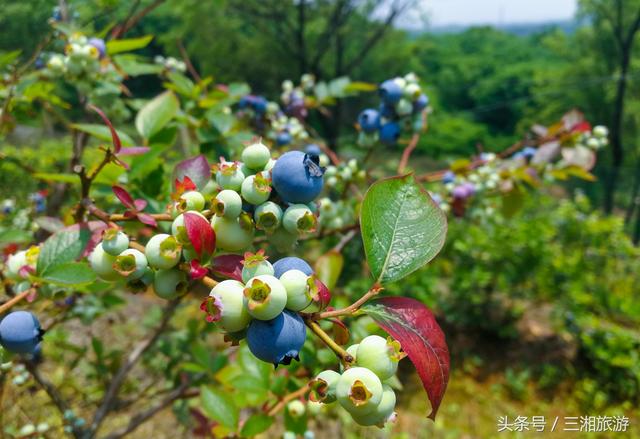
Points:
[(140, 204), (96, 228), (197, 271), (324, 295), (134, 150), (147, 219), (124, 197), (200, 233), (117, 145), (415, 327), (229, 266), (197, 169)]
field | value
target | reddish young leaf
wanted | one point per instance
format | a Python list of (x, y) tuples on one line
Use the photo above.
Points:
[(140, 204), (147, 219), (415, 327), (200, 233), (322, 295), (133, 150), (124, 197), (96, 228), (229, 266), (196, 168), (117, 144), (197, 271)]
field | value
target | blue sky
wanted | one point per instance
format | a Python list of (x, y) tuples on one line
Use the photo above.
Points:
[(465, 12)]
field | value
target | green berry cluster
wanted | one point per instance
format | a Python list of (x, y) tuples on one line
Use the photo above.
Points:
[(363, 390)]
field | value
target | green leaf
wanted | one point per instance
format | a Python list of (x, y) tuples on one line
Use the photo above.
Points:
[(156, 114), (328, 268), (58, 178), (61, 247), (15, 235), (256, 424), (102, 132), (219, 406), (402, 228), (127, 45), (222, 121), (134, 65), (69, 273)]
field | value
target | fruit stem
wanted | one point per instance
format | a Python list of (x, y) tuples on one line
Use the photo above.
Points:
[(349, 310), (344, 356)]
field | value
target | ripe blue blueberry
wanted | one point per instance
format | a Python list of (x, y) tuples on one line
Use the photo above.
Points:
[(448, 177), (283, 138), (387, 111), (98, 43), (279, 340), (291, 263), (312, 148), (369, 120), (389, 133), (528, 152), (20, 332), (297, 177), (420, 103), (390, 92)]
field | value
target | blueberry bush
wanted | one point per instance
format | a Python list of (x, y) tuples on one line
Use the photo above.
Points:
[(224, 219)]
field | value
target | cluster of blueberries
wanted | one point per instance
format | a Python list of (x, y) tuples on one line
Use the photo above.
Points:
[(363, 390), (263, 307), (82, 56), (402, 103)]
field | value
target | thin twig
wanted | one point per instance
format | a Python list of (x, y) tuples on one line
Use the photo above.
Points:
[(413, 143), (349, 310), (140, 418), (54, 394), (135, 355)]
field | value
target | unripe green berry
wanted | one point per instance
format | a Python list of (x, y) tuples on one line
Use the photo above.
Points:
[(296, 408), (268, 216), (359, 390), (163, 251), (298, 218), (178, 230), (265, 297), (270, 164), (226, 306), (131, 264), (171, 283), (229, 176), (256, 156), (140, 285), (102, 264), (227, 203), (233, 234), (299, 287), (379, 355), (114, 241), (256, 189), (404, 107), (192, 200), (382, 412), (412, 91), (323, 387), (282, 240), (255, 265), (353, 350)]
